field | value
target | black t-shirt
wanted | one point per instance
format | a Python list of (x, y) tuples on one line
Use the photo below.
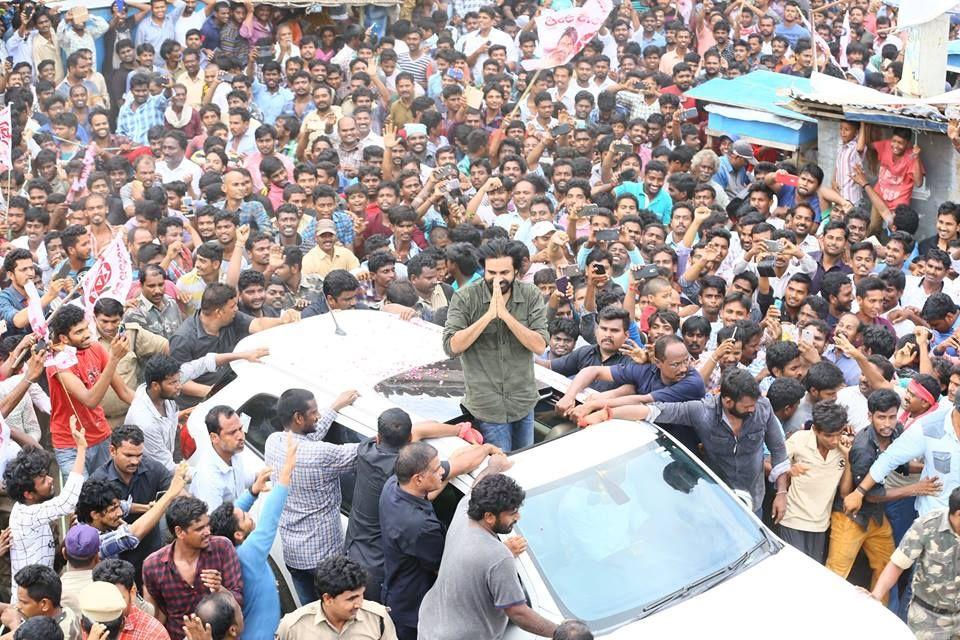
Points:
[(375, 463), (191, 341), (149, 479)]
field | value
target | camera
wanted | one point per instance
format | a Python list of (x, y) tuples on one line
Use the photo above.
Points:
[(765, 268)]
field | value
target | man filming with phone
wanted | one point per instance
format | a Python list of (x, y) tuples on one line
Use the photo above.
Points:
[(493, 327)]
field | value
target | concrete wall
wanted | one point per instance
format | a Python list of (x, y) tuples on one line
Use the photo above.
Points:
[(941, 161)]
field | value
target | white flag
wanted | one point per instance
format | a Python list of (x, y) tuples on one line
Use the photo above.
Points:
[(35, 312), (6, 138), (110, 277)]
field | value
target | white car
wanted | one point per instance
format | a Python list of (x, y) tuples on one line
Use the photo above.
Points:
[(626, 529)]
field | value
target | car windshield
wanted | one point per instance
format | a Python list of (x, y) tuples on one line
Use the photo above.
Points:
[(434, 390), (617, 541)]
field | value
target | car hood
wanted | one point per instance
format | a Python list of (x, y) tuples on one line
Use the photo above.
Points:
[(780, 593)]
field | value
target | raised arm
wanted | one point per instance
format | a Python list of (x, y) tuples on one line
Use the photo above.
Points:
[(92, 397)]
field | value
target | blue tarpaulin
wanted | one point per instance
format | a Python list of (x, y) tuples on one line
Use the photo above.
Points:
[(752, 107)]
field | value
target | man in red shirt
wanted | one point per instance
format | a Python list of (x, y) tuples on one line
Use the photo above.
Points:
[(78, 382), (899, 170)]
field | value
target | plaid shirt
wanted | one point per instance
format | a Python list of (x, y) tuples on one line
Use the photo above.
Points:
[(344, 224), (135, 124), (310, 522), (32, 539), (636, 105), (173, 596), (139, 626)]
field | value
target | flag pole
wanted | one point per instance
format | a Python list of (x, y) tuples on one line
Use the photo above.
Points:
[(523, 96)]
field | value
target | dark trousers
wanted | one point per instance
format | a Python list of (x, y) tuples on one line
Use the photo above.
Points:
[(811, 543), (304, 584), (406, 633)]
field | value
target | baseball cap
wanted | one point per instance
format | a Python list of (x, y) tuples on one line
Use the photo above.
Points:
[(742, 149), (542, 228), (326, 226), (101, 602), (82, 542)]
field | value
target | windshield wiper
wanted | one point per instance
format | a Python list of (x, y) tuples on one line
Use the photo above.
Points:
[(711, 579)]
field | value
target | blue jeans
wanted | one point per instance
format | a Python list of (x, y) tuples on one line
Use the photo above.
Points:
[(901, 514), (509, 436), (97, 456), (303, 582)]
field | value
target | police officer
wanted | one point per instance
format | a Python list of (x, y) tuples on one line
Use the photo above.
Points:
[(341, 613), (932, 547)]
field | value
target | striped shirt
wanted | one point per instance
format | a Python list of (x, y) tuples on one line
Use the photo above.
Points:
[(418, 67), (848, 158), (32, 539)]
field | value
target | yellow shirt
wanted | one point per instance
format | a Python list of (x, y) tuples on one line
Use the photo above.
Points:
[(317, 261), (810, 496), (194, 88), (44, 49)]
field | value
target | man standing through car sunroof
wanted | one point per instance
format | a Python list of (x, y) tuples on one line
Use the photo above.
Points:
[(495, 327)]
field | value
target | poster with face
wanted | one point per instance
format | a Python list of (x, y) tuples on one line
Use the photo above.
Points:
[(562, 34)]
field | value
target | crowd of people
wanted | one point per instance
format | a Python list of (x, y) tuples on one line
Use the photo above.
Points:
[(261, 165)]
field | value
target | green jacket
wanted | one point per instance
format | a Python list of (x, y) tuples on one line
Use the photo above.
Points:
[(497, 368)]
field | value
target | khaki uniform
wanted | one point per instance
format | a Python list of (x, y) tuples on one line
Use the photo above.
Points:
[(143, 345), (309, 623), (932, 547), (311, 290)]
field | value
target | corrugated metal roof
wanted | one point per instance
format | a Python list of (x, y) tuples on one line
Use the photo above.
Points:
[(760, 90), (849, 96)]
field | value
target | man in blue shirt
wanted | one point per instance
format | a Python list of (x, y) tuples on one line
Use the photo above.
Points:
[(253, 539), (733, 171), (651, 194), (790, 27), (159, 24), (412, 535), (18, 264), (669, 378)]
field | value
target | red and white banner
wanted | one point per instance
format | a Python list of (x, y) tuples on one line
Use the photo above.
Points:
[(6, 138), (563, 34), (35, 312), (110, 277)]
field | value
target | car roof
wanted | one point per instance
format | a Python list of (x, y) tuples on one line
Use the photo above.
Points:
[(309, 354)]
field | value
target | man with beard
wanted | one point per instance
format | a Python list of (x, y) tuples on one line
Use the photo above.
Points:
[(265, 137), (837, 290), (269, 95), (611, 333), (732, 425), (478, 570), (650, 194), (154, 408), (800, 220), (191, 78), (833, 243), (99, 128), (117, 79), (683, 81), (498, 370)]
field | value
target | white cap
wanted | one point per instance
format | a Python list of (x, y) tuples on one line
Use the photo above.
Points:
[(542, 228)]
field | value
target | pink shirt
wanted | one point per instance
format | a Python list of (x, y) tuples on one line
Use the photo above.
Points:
[(252, 164)]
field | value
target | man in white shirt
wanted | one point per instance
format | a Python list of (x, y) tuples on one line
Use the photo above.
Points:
[(561, 91), (154, 408), (223, 475), (476, 44), (175, 166)]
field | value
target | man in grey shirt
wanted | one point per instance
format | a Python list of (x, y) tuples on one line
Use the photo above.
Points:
[(476, 565), (733, 428)]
